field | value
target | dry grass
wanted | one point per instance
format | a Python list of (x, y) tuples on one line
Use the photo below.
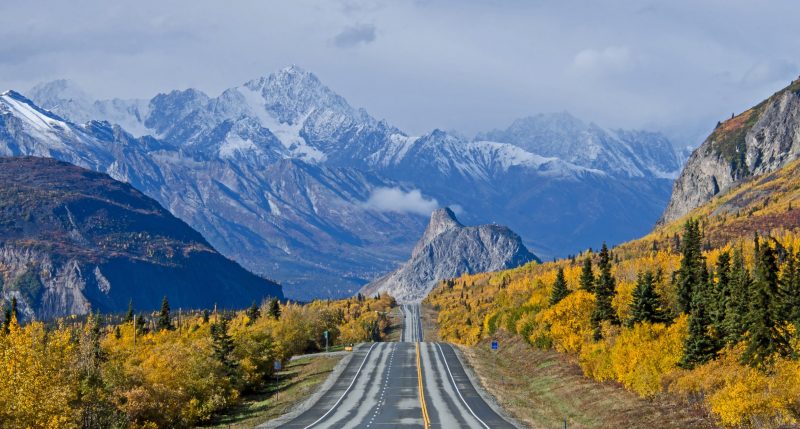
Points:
[(298, 381), (430, 330), (544, 388), (396, 324)]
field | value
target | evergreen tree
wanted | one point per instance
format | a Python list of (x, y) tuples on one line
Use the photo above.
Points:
[(587, 275), (736, 308), (223, 346), (720, 294), (790, 289), (275, 309), (129, 314), (605, 289), (7, 319), (14, 312), (206, 315), (767, 336), (647, 305), (253, 313), (700, 345), (164, 321), (560, 290), (688, 275)]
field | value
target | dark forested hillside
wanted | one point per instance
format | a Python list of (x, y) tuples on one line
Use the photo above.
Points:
[(74, 241)]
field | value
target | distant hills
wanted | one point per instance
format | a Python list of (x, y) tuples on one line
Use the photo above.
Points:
[(284, 176), (74, 240)]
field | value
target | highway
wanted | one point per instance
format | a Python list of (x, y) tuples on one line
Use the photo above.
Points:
[(408, 384)]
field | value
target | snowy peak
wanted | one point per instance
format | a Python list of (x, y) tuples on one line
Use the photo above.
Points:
[(293, 93), (621, 153)]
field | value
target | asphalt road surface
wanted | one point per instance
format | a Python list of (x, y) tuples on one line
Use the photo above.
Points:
[(410, 384)]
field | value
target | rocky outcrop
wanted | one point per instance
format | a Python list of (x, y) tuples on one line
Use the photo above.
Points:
[(759, 140), (74, 241), (449, 249)]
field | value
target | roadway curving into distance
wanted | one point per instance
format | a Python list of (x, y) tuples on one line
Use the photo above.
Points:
[(380, 388)]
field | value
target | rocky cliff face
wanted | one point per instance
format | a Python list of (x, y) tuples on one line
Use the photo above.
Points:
[(74, 241), (759, 140), (449, 249)]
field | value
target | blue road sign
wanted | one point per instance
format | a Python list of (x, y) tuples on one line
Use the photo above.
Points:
[(494, 345), (277, 365)]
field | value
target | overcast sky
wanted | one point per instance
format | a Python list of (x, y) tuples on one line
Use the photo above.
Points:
[(676, 66)]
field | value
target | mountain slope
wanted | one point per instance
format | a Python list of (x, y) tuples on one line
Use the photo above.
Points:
[(449, 249), (75, 241), (757, 141), (280, 174)]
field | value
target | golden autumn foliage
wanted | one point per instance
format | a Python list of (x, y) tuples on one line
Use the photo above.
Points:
[(644, 357), (84, 374)]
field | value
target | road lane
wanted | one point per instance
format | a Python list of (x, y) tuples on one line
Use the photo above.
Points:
[(381, 385)]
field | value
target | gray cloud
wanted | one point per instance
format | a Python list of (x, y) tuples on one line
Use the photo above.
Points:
[(355, 35), (675, 66)]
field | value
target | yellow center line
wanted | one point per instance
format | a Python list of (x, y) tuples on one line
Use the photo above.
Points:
[(425, 418)]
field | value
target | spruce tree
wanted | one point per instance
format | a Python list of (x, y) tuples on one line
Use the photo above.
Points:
[(688, 275), (275, 309), (587, 275), (738, 300), (605, 289), (129, 314), (647, 305), (720, 293), (700, 345), (790, 289), (560, 290), (164, 321), (223, 347), (206, 316), (7, 319), (253, 313), (767, 336), (14, 312)]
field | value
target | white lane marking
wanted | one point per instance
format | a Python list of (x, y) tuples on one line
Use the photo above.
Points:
[(456, 387), (355, 377)]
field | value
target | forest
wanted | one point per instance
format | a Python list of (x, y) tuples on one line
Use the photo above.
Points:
[(163, 369), (716, 327)]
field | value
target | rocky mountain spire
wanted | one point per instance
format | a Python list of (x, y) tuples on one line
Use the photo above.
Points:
[(442, 220)]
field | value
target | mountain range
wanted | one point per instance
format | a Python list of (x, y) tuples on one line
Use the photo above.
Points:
[(284, 176), (73, 241)]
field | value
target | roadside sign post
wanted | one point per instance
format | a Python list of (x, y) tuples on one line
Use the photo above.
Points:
[(325, 334), (277, 366), (495, 346)]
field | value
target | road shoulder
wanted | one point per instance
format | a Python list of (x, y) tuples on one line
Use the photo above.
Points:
[(313, 399)]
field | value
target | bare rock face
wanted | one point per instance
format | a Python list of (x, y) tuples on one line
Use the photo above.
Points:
[(449, 249), (760, 140)]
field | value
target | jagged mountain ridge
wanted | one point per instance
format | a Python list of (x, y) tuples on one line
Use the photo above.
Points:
[(758, 141), (622, 153), (447, 250), (73, 241), (291, 116)]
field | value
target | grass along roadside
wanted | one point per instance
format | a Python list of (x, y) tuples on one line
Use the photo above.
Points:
[(542, 388), (298, 380)]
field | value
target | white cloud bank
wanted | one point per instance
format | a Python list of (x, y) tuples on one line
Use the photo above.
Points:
[(398, 200)]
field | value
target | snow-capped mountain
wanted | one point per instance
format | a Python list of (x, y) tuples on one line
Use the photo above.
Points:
[(278, 174), (618, 152)]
